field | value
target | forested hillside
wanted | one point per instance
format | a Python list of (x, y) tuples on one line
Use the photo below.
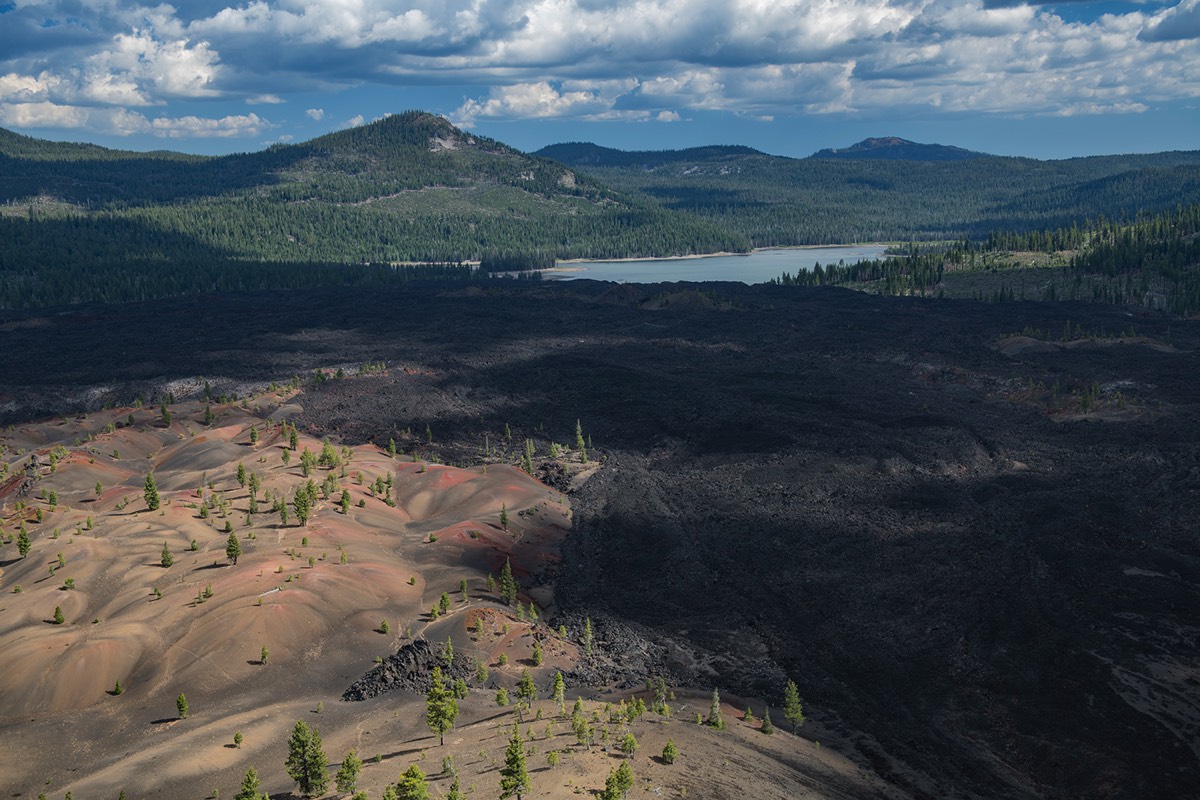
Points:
[(1153, 261), (84, 223), (785, 201), (79, 222)]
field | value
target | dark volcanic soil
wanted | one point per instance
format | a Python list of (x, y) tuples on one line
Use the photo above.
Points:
[(987, 562)]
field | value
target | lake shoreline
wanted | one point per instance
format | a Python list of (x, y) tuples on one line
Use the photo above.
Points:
[(757, 266)]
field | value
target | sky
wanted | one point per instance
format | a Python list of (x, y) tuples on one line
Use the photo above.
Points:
[(788, 77)]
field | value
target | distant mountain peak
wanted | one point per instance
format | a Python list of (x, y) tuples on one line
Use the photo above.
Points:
[(586, 154), (893, 148)]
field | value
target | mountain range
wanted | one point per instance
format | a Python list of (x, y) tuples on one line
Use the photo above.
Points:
[(81, 222)]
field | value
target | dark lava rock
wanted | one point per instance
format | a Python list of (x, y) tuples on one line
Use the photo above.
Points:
[(408, 669)]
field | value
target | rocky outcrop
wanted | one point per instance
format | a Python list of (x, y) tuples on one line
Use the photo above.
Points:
[(409, 670)]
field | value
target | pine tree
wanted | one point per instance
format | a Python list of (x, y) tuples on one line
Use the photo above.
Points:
[(208, 415), (306, 761), (618, 783), (455, 791), (767, 727), (526, 689), (346, 779), (59, 619), (587, 637), (166, 559), (151, 492), (504, 517), (345, 501), (560, 694), (441, 709), (181, 705), (23, 545), (253, 434), (412, 785), (99, 488), (241, 475), (714, 711), (301, 504), (392, 448), (293, 439), (527, 461), (233, 548), (538, 657), (514, 777), (793, 712), (250, 787), (670, 752), (508, 584)]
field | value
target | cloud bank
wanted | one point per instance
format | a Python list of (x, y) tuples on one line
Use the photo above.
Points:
[(123, 68)]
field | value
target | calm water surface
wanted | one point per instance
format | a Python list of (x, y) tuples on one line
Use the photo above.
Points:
[(757, 267)]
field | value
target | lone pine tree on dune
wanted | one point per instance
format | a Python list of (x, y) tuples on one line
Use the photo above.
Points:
[(150, 493), (306, 761), (233, 548), (514, 777), (441, 707), (793, 712)]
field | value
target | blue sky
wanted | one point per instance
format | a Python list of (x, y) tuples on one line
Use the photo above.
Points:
[(786, 76)]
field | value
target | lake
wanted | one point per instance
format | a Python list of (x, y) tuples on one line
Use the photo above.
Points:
[(757, 267)]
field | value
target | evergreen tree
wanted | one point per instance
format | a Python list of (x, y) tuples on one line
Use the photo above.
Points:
[(629, 744), (250, 787), (514, 777), (504, 517), (293, 439), (346, 779), (441, 709), (241, 475), (306, 761), (345, 501), (412, 785), (208, 415), (670, 752), (526, 689), (793, 712), (560, 694), (618, 783), (233, 548), (587, 637), (767, 727), (714, 711), (166, 558), (302, 505), (181, 705), (59, 619), (151, 492), (392, 448), (508, 584), (99, 489), (527, 461), (23, 544), (253, 434), (455, 791)]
